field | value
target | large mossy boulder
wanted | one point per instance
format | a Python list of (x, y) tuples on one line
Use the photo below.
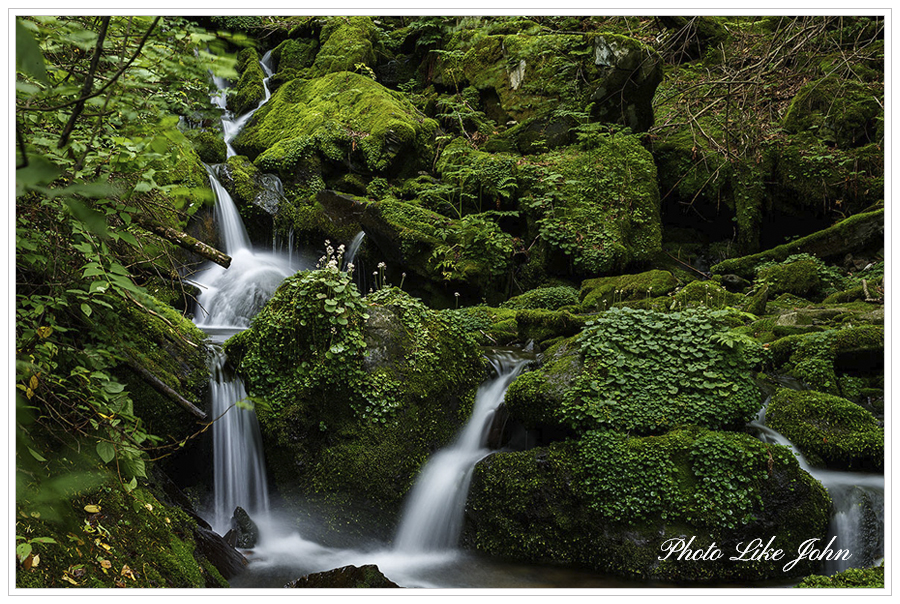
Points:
[(342, 117), (828, 429), (249, 90), (529, 75), (345, 43), (603, 292), (616, 503), (470, 254), (843, 112), (594, 205), (357, 392)]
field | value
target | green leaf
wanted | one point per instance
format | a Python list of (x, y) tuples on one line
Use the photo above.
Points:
[(92, 220), (39, 171), (106, 451), (23, 550), (29, 59), (86, 309), (35, 454)]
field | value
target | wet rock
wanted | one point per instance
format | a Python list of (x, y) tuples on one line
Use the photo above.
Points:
[(244, 530), (227, 560), (364, 577)]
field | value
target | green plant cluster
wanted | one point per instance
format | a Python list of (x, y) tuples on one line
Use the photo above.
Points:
[(248, 91), (648, 372), (710, 479), (801, 275), (851, 578)]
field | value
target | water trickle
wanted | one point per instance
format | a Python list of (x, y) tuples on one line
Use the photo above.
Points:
[(433, 516), (353, 249), (857, 510)]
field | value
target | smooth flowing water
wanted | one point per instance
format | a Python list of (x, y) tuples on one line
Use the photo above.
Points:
[(857, 521), (433, 515)]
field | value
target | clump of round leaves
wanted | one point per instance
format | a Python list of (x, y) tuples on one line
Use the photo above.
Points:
[(551, 298), (647, 372)]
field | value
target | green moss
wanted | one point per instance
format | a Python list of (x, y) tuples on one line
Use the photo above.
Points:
[(359, 392), (801, 275), (209, 144), (707, 294), (345, 43), (841, 434), (601, 293), (839, 111), (249, 91), (596, 204), (549, 298), (535, 398), (484, 181), (341, 117), (134, 540), (540, 325)]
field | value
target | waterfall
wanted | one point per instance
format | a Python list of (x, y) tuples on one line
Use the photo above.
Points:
[(433, 516), (229, 299), (857, 515), (239, 474)]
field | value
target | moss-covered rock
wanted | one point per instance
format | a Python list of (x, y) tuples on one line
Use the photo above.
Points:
[(486, 181), (249, 90), (345, 43), (611, 502), (841, 111), (359, 392), (209, 144), (531, 74), (705, 293), (535, 398), (828, 429), (342, 117), (596, 204), (552, 297), (603, 292), (801, 275), (540, 325), (255, 194)]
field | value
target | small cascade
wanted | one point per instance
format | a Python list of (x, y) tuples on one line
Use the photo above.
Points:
[(239, 473), (353, 248), (433, 516), (231, 126), (857, 520)]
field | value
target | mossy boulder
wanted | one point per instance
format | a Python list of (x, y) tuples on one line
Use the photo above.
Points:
[(249, 90), (345, 118), (601, 293), (800, 275), (540, 325), (347, 577), (842, 112), (486, 181), (552, 297), (292, 58), (357, 392), (491, 326), (595, 205), (471, 255), (530, 74), (345, 43), (255, 194), (705, 293), (105, 537), (611, 502), (828, 429), (209, 144)]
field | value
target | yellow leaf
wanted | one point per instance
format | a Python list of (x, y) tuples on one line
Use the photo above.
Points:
[(105, 563), (92, 509), (44, 332), (35, 560), (33, 382), (70, 579), (126, 572), (29, 393)]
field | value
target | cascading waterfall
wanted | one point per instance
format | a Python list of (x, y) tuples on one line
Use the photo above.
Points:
[(229, 299), (433, 516), (857, 520), (353, 249)]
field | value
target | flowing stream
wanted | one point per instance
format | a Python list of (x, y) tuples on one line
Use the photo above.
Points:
[(857, 520)]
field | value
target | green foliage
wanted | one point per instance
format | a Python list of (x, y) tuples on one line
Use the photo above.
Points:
[(648, 372), (851, 578), (800, 274)]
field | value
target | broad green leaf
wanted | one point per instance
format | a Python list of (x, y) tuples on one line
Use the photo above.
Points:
[(106, 451), (29, 59), (92, 220), (39, 171)]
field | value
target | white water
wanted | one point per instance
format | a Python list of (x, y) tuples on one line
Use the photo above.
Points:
[(229, 299), (433, 516), (231, 126), (353, 249), (857, 520)]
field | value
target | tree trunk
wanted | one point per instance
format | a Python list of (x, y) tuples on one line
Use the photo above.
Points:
[(187, 242)]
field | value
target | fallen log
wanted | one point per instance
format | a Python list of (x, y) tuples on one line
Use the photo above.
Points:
[(163, 388), (858, 232), (184, 240)]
